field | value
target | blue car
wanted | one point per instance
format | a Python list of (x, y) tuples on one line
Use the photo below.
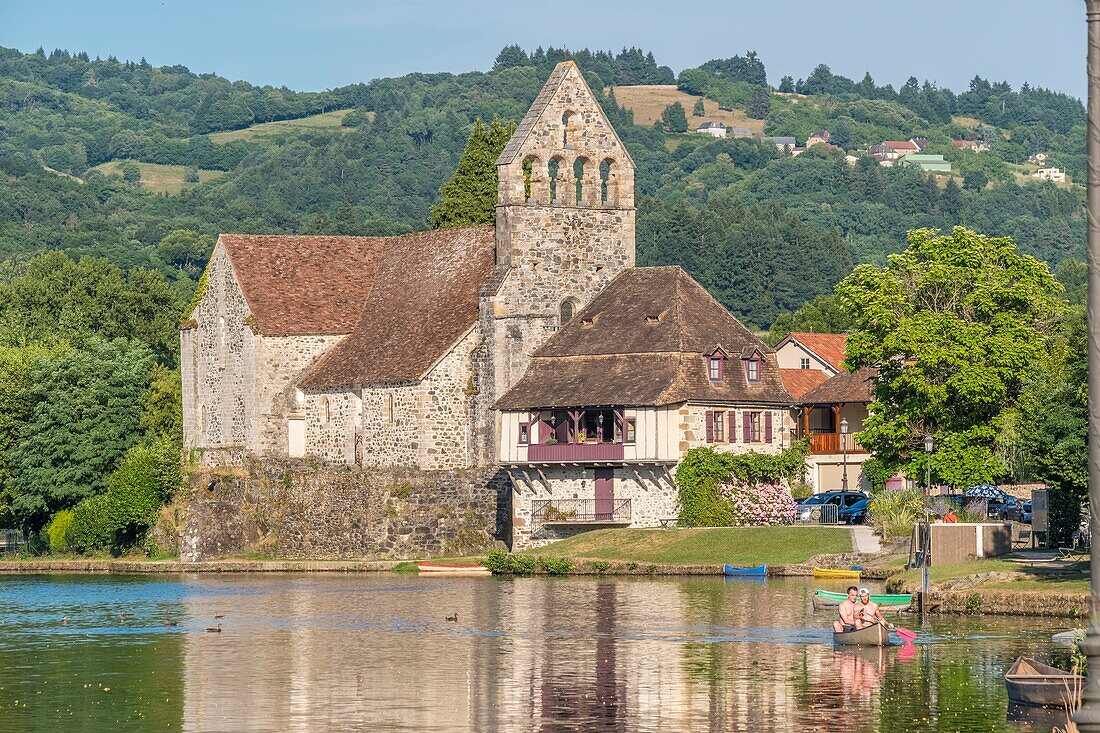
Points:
[(854, 514)]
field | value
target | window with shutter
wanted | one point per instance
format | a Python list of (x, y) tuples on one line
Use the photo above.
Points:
[(768, 426), (746, 428)]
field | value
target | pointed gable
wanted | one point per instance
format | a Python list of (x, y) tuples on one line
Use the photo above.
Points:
[(541, 129)]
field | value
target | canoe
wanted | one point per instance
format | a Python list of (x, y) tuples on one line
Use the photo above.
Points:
[(759, 570), (877, 635), (1033, 683), (833, 573), (1067, 638), (824, 599), (435, 568)]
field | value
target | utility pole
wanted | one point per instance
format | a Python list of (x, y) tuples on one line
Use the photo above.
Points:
[(1088, 717)]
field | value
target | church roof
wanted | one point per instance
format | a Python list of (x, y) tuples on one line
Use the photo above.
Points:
[(514, 148), (423, 299), (645, 340), (297, 285)]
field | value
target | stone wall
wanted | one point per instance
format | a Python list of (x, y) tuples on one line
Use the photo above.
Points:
[(652, 493), (291, 509), (693, 429)]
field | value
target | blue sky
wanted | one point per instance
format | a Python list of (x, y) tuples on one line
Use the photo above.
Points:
[(327, 43)]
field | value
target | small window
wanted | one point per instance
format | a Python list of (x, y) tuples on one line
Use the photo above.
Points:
[(524, 433), (565, 313), (752, 370), (389, 409), (714, 367), (718, 431), (631, 431), (754, 427), (804, 363)]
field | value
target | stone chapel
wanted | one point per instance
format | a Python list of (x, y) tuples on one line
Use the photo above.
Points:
[(391, 352)]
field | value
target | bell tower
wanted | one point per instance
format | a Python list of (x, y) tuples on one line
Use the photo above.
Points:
[(564, 228)]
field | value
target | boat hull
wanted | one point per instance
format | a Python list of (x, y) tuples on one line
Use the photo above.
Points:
[(439, 569), (876, 635), (1039, 685), (756, 572), (834, 573)]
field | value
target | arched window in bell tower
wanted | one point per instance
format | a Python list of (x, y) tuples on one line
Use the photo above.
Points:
[(566, 312), (552, 172), (578, 176)]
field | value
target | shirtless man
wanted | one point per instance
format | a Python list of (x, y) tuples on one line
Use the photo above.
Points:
[(846, 612), (867, 612)]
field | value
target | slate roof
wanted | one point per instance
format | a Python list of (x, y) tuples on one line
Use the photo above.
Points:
[(800, 381), (844, 387), (422, 299), (296, 285), (827, 346), (644, 341)]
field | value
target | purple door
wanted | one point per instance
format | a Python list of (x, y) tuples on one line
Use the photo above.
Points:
[(605, 494)]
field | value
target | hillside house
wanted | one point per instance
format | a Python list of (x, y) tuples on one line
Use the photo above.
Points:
[(894, 149), (1054, 175), (818, 137), (738, 132), (977, 146), (926, 162), (783, 144), (714, 129)]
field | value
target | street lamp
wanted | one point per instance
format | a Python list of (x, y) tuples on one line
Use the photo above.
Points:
[(844, 453), (926, 533)]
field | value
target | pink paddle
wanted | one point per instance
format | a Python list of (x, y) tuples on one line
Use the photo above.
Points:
[(906, 634)]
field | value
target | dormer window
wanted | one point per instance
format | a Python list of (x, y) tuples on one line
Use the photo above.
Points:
[(715, 367), (752, 369)]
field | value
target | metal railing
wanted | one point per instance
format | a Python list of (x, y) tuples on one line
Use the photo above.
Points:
[(579, 511), (11, 540), (816, 514)]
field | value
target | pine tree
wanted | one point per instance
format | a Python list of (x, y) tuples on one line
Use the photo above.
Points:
[(698, 110), (469, 197), (760, 105), (674, 118)]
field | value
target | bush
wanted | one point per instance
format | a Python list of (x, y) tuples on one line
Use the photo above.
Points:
[(501, 562), (57, 528), (555, 565), (894, 513), (88, 530), (752, 505)]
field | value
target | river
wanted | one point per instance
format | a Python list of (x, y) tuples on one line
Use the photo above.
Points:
[(376, 652)]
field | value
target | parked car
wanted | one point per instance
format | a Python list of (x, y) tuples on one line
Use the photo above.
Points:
[(839, 499), (854, 514), (1017, 511)]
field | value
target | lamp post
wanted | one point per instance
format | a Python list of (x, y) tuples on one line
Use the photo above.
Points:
[(1088, 717), (926, 530), (844, 453)]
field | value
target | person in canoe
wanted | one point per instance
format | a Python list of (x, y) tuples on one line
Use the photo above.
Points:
[(846, 611), (867, 612)]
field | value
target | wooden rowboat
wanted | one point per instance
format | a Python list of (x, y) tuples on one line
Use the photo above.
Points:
[(439, 569), (834, 573), (877, 635), (824, 599), (758, 571), (1033, 683)]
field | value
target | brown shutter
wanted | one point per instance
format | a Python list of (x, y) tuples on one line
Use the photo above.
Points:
[(768, 426), (710, 426), (746, 427), (732, 426)]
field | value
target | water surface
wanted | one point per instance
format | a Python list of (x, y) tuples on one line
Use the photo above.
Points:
[(375, 652)]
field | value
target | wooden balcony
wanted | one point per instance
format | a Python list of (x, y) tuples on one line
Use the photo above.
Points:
[(829, 443), (574, 452)]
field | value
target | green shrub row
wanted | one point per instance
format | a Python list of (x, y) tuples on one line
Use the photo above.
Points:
[(501, 562)]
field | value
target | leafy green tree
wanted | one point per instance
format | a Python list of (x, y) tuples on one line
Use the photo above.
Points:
[(161, 412), (510, 56), (975, 180), (674, 118), (131, 173), (841, 135), (86, 413), (954, 325), (760, 105), (823, 314), (698, 110), (185, 249), (786, 85), (470, 196)]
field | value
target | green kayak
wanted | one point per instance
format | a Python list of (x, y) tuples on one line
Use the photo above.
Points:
[(829, 599)]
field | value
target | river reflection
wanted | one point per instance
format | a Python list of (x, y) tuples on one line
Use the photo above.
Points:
[(361, 652)]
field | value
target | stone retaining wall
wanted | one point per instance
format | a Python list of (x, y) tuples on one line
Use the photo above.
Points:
[(292, 508)]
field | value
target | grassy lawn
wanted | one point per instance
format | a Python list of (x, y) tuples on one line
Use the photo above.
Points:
[(325, 121), (1061, 577), (160, 178), (734, 545), (648, 101)]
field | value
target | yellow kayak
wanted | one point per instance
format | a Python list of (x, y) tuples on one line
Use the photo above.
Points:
[(831, 573)]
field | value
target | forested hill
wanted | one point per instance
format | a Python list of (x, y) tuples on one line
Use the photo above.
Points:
[(144, 165)]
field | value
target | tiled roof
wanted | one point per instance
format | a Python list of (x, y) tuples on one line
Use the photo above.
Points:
[(844, 387), (297, 285), (827, 346), (800, 381), (423, 300), (644, 341), (900, 145)]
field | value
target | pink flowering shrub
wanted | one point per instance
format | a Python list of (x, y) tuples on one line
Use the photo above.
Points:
[(754, 504)]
